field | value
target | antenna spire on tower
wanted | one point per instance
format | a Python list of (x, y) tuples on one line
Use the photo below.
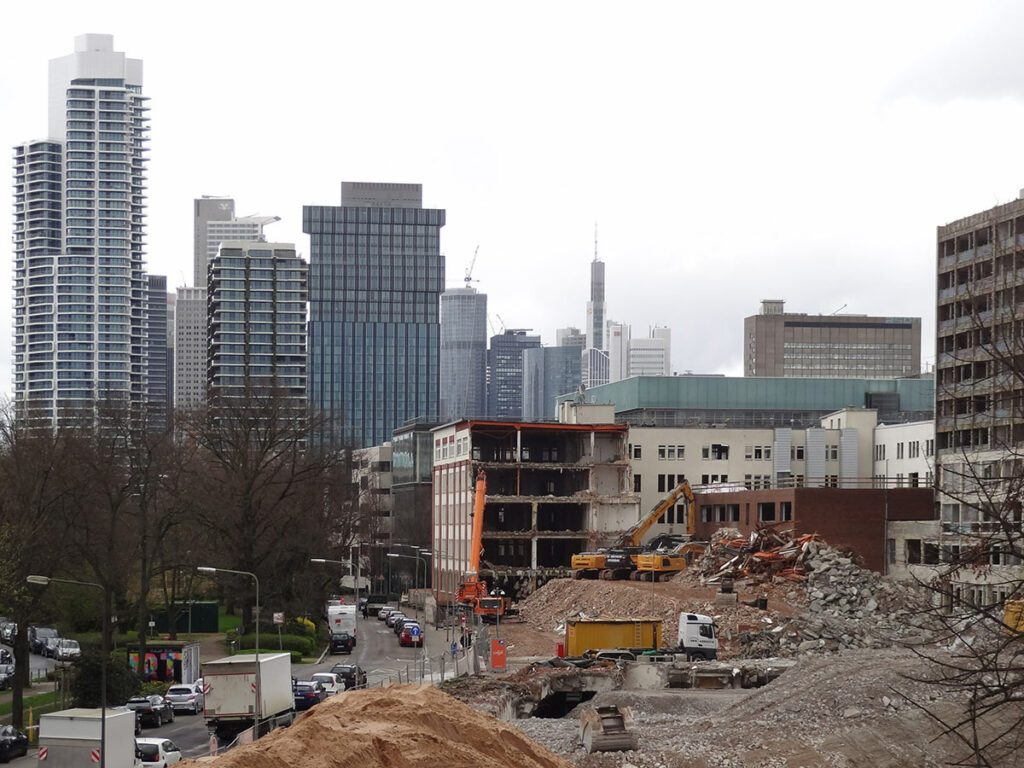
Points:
[(595, 241)]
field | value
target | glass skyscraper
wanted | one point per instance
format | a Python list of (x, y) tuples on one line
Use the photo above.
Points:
[(80, 290), (376, 276), (505, 372), (463, 353)]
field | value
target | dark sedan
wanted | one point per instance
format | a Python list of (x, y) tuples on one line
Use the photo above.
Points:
[(351, 674), (12, 743), (152, 710), (308, 694), (342, 642)]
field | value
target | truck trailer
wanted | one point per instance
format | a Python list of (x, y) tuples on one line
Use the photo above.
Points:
[(229, 687), (71, 738), (342, 618)]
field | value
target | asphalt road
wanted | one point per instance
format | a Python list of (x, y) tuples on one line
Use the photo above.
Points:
[(377, 652)]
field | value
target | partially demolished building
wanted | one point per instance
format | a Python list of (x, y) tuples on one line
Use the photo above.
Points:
[(553, 490)]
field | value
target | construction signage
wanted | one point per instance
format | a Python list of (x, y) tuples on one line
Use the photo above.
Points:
[(497, 654)]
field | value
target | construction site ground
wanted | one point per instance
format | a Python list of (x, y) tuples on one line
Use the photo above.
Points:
[(841, 646)]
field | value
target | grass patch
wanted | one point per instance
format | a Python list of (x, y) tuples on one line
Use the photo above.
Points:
[(226, 623), (41, 702)]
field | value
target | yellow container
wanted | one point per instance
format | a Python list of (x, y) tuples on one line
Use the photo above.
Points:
[(1013, 617), (586, 634)]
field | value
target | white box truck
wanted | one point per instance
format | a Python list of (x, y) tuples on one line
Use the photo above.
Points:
[(229, 688), (71, 739), (341, 618)]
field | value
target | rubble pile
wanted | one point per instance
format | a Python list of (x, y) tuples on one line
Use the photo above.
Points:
[(851, 709), (768, 553), (395, 727)]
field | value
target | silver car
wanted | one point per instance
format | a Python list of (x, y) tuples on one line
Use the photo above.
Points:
[(186, 696)]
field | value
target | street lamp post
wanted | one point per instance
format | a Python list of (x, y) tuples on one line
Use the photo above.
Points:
[(259, 690), (105, 619), (355, 571)]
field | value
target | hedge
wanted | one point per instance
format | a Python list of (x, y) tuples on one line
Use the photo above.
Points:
[(269, 643)]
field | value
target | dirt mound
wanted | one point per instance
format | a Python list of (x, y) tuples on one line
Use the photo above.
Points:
[(398, 727)]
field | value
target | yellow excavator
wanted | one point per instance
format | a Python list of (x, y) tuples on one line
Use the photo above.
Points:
[(663, 559), (619, 561)]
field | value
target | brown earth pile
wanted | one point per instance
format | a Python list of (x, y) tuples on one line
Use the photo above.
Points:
[(398, 727)]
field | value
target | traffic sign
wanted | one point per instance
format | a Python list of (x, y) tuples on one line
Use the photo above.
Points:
[(279, 618), (94, 756), (414, 631), (42, 753), (455, 648)]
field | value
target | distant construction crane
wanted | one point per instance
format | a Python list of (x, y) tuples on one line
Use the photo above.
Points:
[(469, 270)]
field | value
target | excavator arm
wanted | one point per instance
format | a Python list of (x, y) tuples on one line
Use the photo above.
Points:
[(635, 535)]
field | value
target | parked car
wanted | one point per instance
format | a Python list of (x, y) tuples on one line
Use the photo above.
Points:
[(408, 638), (6, 676), (393, 617), (157, 753), (7, 631), (308, 693), (66, 650), (153, 710), (342, 642), (50, 649), (12, 743), (6, 657), (351, 674), (331, 682), (186, 696), (38, 637), (384, 611)]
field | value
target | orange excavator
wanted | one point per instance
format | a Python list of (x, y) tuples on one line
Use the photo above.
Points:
[(472, 592)]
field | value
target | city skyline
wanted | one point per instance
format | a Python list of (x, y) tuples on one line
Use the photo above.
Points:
[(815, 133)]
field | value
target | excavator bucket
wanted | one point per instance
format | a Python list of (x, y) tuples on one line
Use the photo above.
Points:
[(608, 729)]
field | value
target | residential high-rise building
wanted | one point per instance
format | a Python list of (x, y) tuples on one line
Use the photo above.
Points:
[(505, 372), (158, 400), (547, 373), (790, 345), (376, 276), (257, 320), (463, 354), (214, 222), (651, 356), (80, 289), (190, 348)]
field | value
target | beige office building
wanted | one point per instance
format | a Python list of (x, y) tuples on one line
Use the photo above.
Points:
[(784, 344)]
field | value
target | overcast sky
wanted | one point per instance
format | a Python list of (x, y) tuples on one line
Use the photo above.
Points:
[(728, 151)]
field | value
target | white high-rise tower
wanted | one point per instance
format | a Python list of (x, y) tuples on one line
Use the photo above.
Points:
[(80, 290)]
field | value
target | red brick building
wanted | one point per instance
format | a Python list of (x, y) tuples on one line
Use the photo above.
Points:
[(844, 517)]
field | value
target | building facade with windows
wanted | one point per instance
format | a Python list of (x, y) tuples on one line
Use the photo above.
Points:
[(547, 373), (376, 277), (505, 372), (257, 321), (463, 353), (159, 400), (80, 289), (779, 343)]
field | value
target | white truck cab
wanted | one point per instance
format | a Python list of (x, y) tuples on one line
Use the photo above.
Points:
[(697, 637)]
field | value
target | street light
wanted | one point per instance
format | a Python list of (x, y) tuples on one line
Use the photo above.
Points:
[(44, 581), (354, 570), (416, 569), (256, 711)]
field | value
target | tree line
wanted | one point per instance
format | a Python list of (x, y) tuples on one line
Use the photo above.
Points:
[(240, 484)]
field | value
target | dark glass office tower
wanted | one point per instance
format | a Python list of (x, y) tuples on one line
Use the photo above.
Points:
[(376, 274), (505, 372)]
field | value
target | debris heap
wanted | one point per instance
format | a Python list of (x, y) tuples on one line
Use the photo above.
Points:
[(399, 727), (767, 554)]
